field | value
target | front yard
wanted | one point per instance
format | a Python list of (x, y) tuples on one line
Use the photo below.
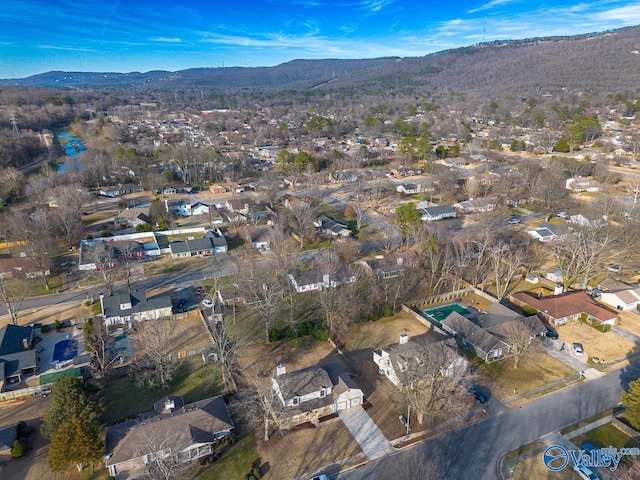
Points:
[(607, 346), (535, 370)]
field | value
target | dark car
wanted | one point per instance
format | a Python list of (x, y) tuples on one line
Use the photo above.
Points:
[(181, 305), (551, 333), (478, 394)]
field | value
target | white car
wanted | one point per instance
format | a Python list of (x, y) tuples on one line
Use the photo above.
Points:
[(585, 473), (207, 303), (577, 349)]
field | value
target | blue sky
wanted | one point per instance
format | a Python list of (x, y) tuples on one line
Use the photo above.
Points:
[(141, 35)]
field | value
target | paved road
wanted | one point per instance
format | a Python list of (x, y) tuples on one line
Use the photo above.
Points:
[(473, 452)]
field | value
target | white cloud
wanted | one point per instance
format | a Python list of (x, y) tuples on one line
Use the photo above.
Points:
[(166, 40), (490, 5)]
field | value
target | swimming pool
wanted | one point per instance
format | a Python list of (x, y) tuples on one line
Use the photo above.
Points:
[(441, 312)]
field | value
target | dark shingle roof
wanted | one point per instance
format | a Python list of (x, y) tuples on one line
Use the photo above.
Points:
[(139, 303)]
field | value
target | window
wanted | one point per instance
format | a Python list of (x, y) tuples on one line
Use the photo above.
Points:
[(323, 392), (296, 400)]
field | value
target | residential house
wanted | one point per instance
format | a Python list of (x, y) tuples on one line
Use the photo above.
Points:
[(627, 299), (393, 265), (174, 188), (438, 212), (313, 279), (474, 338), (476, 205), (393, 360), (333, 227), (497, 318), (132, 217), (290, 201), (309, 394), (212, 242), (185, 432), (186, 208), (581, 184), (125, 308), (17, 359), (8, 435), (306, 280), (559, 309), (120, 189), (408, 188), (261, 238), (547, 232)]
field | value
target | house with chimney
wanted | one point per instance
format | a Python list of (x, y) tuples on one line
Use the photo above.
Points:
[(18, 360), (309, 394), (126, 308), (185, 432)]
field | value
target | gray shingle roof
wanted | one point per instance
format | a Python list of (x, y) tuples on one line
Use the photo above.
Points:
[(139, 303), (472, 333)]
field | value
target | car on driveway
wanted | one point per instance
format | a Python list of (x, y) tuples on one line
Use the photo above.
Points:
[(478, 394), (551, 333), (577, 349), (613, 267), (585, 473), (514, 221), (207, 303)]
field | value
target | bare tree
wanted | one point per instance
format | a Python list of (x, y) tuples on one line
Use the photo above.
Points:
[(267, 293), (96, 341), (301, 221), (432, 377), (13, 293), (104, 256), (519, 336), (155, 339), (259, 404), (506, 256), (69, 223), (161, 448), (227, 343)]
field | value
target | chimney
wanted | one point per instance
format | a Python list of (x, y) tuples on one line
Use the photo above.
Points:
[(557, 290), (169, 404), (404, 338), (399, 261), (280, 369), (25, 343)]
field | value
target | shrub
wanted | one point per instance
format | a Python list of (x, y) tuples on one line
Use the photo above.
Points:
[(257, 473), (305, 328), (58, 325), (274, 335), (19, 448), (22, 429), (290, 332), (320, 333), (528, 310)]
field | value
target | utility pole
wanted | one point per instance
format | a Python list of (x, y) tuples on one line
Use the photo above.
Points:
[(14, 124)]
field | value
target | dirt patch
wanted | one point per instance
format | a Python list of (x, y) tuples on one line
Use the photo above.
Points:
[(383, 332), (190, 333), (309, 449), (608, 346), (294, 354)]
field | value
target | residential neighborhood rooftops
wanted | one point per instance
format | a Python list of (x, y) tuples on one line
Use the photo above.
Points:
[(470, 332)]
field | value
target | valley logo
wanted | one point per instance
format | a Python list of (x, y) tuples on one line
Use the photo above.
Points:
[(556, 457)]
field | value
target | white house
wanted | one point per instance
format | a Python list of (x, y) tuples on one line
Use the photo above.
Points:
[(126, 308), (309, 394), (581, 184), (622, 299), (439, 212)]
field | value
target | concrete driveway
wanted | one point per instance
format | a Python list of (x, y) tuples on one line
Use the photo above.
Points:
[(371, 440)]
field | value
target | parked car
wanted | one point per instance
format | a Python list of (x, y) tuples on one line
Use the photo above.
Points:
[(577, 349), (595, 292), (207, 303), (562, 214), (585, 472), (613, 267), (478, 394), (551, 333), (514, 221), (322, 476)]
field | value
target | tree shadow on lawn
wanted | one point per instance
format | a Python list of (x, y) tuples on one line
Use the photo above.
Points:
[(124, 399)]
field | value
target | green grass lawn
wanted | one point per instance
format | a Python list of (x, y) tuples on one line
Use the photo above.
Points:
[(124, 399), (233, 463), (606, 435)]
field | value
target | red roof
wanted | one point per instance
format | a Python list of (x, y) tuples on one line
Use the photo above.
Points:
[(567, 304)]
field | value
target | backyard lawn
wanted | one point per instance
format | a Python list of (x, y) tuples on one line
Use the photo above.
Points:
[(124, 399), (606, 436)]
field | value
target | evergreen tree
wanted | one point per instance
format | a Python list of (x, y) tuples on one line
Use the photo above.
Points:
[(631, 402)]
